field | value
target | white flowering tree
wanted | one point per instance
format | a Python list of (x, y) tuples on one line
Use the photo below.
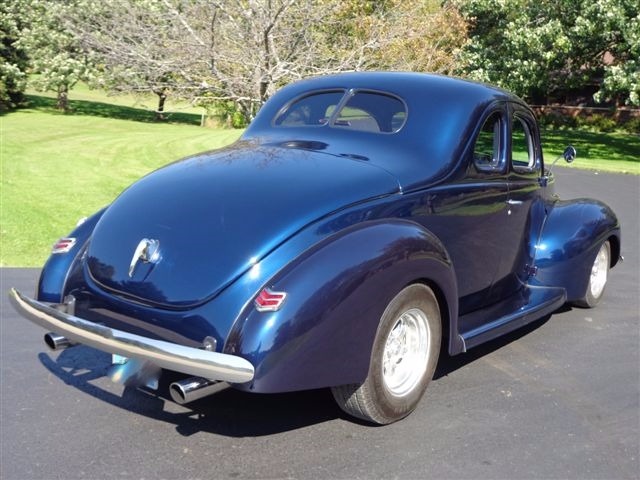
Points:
[(57, 60), (13, 59), (539, 48), (622, 75)]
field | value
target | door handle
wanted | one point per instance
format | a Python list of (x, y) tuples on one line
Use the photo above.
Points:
[(514, 202)]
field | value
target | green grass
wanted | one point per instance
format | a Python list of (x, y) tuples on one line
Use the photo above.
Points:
[(607, 152), (144, 101), (57, 168), (110, 110)]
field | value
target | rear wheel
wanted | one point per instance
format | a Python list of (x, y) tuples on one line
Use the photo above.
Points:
[(403, 359), (597, 278)]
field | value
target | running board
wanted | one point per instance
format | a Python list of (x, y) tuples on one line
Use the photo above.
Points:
[(529, 304)]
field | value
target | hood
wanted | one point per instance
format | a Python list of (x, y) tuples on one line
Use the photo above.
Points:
[(178, 236)]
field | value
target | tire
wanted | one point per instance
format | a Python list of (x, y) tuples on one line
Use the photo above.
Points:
[(403, 358), (598, 277)]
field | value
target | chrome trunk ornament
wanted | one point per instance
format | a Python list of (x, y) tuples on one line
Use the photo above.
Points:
[(148, 250)]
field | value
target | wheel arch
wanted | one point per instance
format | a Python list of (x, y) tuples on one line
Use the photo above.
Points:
[(569, 242), (449, 343), (336, 294), (616, 252)]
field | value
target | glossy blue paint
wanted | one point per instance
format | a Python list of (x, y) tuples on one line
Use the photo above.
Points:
[(527, 304), (325, 338), (341, 220), (55, 271), (442, 112), (572, 235), (276, 192)]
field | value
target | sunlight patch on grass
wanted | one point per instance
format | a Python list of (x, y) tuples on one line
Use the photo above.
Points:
[(56, 169), (607, 152)]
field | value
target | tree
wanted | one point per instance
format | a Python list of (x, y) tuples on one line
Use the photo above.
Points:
[(549, 48), (413, 35), (622, 72), (249, 48), (238, 52), (13, 59), (210, 52), (132, 43), (54, 52)]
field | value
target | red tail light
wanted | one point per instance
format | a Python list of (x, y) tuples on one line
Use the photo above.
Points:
[(269, 301), (63, 245)]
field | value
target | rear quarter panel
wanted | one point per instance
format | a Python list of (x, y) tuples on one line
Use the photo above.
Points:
[(337, 293)]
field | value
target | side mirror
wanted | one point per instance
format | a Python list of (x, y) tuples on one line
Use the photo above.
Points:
[(569, 154)]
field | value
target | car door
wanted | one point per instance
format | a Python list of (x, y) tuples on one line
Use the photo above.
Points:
[(469, 213), (525, 203)]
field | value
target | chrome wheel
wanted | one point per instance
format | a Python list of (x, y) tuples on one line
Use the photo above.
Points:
[(405, 352), (599, 271), (403, 359), (597, 280)]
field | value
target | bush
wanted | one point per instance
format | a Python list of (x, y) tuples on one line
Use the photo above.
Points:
[(223, 114), (556, 120), (595, 122), (599, 123), (632, 125)]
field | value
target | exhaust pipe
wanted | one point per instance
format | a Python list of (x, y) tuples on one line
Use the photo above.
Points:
[(57, 342), (194, 388)]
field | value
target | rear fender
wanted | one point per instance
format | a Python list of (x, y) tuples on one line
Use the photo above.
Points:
[(569, 242), (336, 294), (55, 271)]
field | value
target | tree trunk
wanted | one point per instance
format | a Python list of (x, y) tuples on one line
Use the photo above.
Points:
[(63, 98), (162, 97)]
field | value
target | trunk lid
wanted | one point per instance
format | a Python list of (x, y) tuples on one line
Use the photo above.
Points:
[(207, 219)]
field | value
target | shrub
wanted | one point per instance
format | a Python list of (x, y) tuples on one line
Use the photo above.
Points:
[(556, 120), (632, 125), (599, 123)]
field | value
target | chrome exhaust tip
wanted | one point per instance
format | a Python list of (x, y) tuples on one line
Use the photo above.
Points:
[(57, 342), (194, 388)]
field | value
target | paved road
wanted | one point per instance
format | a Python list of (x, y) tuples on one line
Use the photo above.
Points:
[(559, 399)]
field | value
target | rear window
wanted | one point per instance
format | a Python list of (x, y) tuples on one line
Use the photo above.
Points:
[(311, 111), (360, 110)]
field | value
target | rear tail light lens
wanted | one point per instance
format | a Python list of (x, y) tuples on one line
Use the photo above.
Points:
[(63, 245), (269, 301)]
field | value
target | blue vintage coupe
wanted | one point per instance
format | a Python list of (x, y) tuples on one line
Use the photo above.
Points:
[(362, 221)]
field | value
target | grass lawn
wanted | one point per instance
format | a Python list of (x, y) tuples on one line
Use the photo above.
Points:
[(57, 168), (146, 103), (607, 152)]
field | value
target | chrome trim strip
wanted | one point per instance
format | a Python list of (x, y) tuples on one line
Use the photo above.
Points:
[(171, 356)]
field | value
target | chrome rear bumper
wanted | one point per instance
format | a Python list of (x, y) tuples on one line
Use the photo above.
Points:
[(170, 356)]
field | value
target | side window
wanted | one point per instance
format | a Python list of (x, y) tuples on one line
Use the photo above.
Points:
[(487, 150), (523, 154)]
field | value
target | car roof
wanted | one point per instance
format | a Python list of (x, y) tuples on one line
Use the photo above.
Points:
[(442, 113), (392, 81)]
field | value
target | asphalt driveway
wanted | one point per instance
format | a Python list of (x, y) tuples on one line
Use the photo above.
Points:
[(557, 399)]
